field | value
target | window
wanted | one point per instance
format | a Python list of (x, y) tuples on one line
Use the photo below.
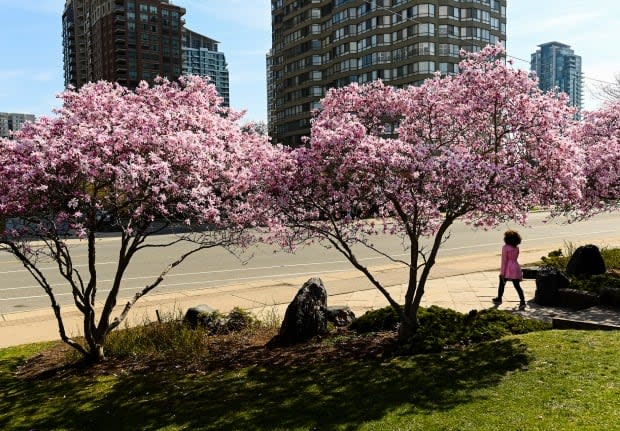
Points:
[(448, 68), (449, 12), (447, 30), (449, 50)]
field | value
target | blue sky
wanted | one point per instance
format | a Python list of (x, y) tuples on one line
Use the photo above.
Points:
[(31, 45)]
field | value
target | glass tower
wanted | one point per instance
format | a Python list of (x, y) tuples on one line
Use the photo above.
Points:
[(557, 67), (201, 57)]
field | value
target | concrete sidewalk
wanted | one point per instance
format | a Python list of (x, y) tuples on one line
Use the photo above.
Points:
[(461, 284)]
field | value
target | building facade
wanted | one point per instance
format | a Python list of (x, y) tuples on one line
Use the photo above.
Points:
[(319, 44), (122, 41), (12, 122), (558, 68), (201, 57)]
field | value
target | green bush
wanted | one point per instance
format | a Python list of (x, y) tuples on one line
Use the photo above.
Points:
[(442, 328), (555, 259), (382, 319), (240, 319), (492, 323), (172, 337), (596, 282)]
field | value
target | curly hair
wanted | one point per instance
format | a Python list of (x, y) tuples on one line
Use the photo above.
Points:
[(512, 237)]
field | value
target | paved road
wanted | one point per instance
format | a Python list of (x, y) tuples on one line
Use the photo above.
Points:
[(211, 268)]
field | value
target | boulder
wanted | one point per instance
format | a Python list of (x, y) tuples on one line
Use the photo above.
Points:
[(306, 315), (340, 315), (548, 281), (193, 315), (586, 261)]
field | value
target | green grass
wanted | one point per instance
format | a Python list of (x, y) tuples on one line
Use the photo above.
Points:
[(611, 256), (549, 380)]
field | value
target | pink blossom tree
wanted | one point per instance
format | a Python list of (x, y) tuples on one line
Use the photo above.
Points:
[(598, 133), (483, 146), (145, 161)]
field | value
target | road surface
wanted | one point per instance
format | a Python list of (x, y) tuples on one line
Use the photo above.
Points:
[(216, 267)]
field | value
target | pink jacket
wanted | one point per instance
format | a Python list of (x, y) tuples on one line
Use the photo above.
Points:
[(510, 268)]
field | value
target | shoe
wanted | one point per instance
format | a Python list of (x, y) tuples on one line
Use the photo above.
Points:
[(497, 300), (522, 306)]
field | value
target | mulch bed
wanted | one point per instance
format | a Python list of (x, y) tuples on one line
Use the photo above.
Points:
[(225, 353)]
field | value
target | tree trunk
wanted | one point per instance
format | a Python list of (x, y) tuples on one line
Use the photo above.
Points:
[(409, 325), (96, 354)]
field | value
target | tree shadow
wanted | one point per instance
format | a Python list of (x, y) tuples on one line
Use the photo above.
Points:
[(339, 395)]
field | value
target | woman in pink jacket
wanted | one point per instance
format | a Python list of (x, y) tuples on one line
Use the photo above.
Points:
[(510, 269)]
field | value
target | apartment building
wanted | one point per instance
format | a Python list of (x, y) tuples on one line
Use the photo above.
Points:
[(201, 57), (320, 44), (123, 41), (12, 122)]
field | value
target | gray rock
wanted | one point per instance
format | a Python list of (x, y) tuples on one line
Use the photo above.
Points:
[(305, 317), (340, 315), (192, 314), (586, 261)]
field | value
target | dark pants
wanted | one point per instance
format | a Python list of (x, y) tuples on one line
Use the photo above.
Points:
[(515, 283)]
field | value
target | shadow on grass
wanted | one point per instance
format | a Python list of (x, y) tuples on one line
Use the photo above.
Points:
[(329, 396)]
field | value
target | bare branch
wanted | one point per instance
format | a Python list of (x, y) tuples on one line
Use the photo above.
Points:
[(150, 287)]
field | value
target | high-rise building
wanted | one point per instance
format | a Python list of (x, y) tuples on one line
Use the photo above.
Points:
[(558, 68), (125, 41), (201, 57), (12, 122), (271, 108), (318, 44)]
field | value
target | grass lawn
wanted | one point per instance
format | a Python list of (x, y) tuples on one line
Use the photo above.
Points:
[(549, 380)]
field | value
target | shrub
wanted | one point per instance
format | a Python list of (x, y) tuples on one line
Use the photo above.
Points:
[(596, 282), (441, 328), (555, 259), (239, 319), (170, 336), (382, 319)]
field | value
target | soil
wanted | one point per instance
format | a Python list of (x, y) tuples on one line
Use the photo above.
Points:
[(226, 352)]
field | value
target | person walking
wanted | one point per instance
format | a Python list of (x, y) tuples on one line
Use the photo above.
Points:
[(510, 269)]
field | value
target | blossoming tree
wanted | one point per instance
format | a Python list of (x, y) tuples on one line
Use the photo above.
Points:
[(482, 146), (598, 133), (145, 161)]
